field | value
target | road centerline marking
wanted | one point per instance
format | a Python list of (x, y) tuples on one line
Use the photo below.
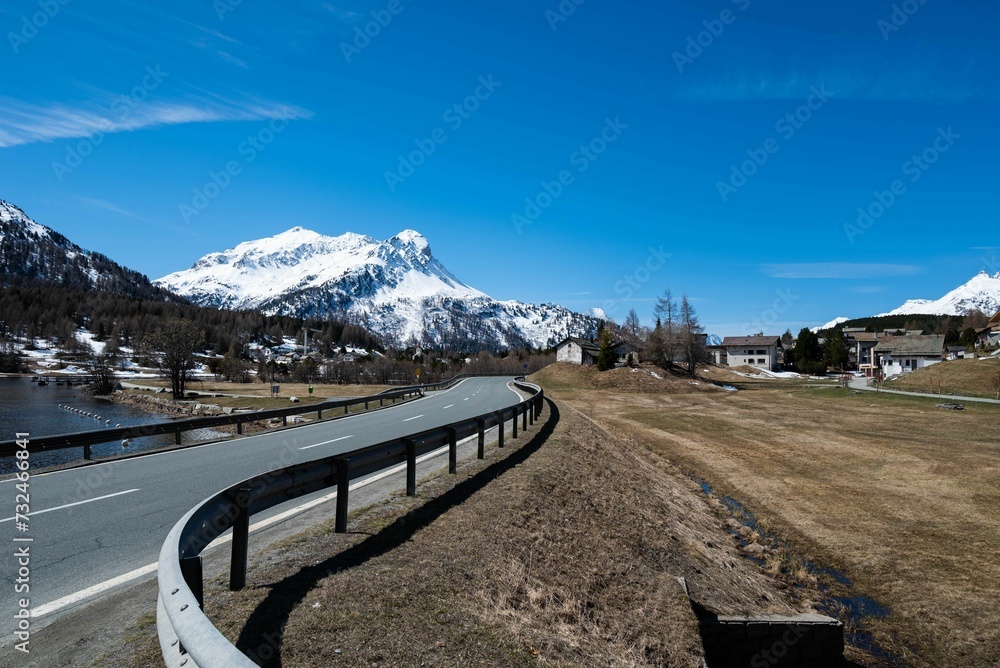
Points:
[(342, 438), (125, 578), (415, 417), (70, 505)]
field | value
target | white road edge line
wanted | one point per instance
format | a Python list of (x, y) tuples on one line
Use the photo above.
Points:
[(70, 505), (342, 438), (101, 587)]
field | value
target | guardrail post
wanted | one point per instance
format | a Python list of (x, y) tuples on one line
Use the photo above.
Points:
[(319, 415), (177, 437), (343, 491), (239, 427), (241, 539), (86, 452), (411, 468), (452, 450), (366, 405), (346, 409), (481, 423), (524, 417), (513, 424), (192, 572), (500, 428), (284, 420), (380, 404), (530, 412)]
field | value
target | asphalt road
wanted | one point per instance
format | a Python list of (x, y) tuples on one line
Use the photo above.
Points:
[(100, 526)]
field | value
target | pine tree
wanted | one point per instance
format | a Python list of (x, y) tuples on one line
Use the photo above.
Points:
[(606, 356), (691, 335)]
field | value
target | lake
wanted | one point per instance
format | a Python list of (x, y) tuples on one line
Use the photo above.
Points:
[(45, 411)]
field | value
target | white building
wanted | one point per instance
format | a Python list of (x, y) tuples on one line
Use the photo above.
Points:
[(902, 354), (585, 351), (760, 351)]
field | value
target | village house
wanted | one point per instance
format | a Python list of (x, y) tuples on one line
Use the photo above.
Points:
[(764, 352), (990, 334), (585, 351), (902, 354), (862, 345)]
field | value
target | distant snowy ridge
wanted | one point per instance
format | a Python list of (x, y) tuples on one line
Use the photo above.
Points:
[(395, 288), (830, 325), (981, 293)]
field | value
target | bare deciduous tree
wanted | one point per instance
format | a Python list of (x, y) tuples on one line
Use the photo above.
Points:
[(172, 347)]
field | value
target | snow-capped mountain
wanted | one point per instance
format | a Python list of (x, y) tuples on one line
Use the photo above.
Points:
[(31, 253), (830, 325), (981, 293), (395, 288)]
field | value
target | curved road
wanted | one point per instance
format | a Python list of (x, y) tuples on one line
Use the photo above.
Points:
[(103, 525)]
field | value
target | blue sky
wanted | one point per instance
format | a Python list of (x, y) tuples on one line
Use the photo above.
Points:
[(781, 162)]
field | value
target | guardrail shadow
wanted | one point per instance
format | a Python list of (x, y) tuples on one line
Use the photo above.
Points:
[(263, 634)]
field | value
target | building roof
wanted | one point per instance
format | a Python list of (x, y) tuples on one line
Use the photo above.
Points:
[(866, 337), (922, 345), (752, 341), (589, 345), (994, 321)]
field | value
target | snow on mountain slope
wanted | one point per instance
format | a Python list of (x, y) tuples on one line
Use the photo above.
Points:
[(830, 325), (32, 253), (394, 287), (981, 293)]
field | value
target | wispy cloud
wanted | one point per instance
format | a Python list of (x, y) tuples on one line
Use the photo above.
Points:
[(838, 270), (340, 12), (230, 58), (25, 123), (109, 206)]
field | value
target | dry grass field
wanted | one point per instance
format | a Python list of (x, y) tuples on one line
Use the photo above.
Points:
[(901, 497), (972, 378)]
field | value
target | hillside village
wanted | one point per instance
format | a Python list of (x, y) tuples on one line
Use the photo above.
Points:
[(864, 351)]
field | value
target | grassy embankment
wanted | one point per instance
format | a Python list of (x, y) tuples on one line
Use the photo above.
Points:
[(967, 378)]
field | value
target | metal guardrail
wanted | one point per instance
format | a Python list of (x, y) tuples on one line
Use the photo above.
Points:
[(187, 637), (86, 439)]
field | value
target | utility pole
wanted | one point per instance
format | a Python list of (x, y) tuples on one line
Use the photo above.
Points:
[(305, 341)]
